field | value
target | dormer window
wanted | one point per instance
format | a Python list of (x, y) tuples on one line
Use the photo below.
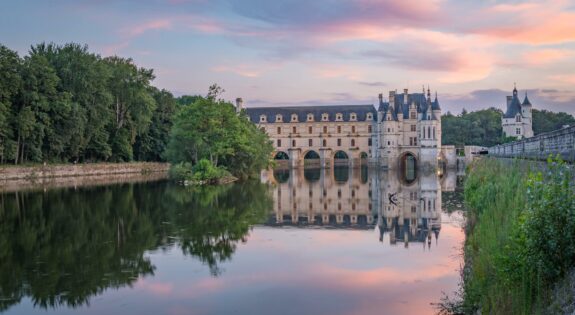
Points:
[(263, 118), (518, 118), (353, 116), (338, 117), (324, 117), (279, 118), (310, 117), (294, 117), (369, 116)]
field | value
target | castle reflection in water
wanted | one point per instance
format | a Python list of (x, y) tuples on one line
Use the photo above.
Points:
[(404, 204)]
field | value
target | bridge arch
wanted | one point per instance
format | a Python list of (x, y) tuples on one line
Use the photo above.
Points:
[(311, 159), (281, 155), (408, 167), (340, 158)]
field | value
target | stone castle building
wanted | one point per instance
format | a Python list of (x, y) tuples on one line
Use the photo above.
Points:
[(517, 120), (405, 128)]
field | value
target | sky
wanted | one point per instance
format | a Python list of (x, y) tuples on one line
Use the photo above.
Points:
[(298, 52)]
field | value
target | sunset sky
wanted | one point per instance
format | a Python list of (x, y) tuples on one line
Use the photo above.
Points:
[(295, 52)]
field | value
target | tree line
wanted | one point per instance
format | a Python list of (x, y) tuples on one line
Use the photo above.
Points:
[(483, 127), (63, 103), (66, 104)]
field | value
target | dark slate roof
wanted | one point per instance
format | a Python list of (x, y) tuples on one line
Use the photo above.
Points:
[(513, 108), (435, 104), (360, 110), (420, 101), (526, 100)]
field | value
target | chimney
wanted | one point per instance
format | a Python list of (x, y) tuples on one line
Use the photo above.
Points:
[(391, 98), (239, 104), (404, 96), (380, 98), (509, 98)]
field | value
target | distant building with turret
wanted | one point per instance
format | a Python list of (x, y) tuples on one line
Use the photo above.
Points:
[(517, 120)]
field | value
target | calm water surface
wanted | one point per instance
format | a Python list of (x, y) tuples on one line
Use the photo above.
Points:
[(303, 242)]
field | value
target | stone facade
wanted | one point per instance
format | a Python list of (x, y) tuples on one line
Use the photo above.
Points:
[(517, 120), (405, 125)]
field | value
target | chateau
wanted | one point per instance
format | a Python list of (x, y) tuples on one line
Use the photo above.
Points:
[(405, 128), (517, 120)]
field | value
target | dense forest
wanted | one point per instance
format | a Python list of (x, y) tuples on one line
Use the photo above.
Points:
[(483, 127), (66, 104)]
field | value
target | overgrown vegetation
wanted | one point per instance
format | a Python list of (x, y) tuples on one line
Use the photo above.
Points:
[(209, 139), (520, 240)]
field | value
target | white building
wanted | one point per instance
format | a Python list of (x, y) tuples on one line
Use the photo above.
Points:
[(517, 120)]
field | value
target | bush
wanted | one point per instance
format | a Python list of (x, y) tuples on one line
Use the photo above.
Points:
[(204, 170), (180, 171)]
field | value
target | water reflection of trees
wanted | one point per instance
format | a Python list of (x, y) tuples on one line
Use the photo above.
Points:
[(60, 247)]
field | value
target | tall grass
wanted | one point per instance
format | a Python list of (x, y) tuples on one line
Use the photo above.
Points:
[(521, 235)]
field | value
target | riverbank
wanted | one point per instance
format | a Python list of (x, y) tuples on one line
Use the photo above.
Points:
[(521, 224), (39, 173)]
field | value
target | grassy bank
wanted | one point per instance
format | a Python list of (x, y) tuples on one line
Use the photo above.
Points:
[(521, 227)]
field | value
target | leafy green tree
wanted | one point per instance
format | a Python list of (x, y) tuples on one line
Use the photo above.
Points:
[(481, 127), (10, 84), (545, 121), (151, 144), (211, 129), (132, 104)]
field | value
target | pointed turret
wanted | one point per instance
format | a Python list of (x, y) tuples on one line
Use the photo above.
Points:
[(526, 100)]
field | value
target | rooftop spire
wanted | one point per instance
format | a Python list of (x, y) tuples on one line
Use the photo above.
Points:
[(514, 89)]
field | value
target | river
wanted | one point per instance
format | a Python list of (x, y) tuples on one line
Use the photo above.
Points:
[(341, 241)]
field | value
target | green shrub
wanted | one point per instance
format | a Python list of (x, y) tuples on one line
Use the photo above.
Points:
[(521, 227), (204, 170), (180, 171)]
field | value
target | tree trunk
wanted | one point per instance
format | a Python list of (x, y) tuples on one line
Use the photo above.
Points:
[(17, 150)]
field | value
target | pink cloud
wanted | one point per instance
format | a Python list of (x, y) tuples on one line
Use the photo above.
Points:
[(546, 56), (159, 24), (546, 22)]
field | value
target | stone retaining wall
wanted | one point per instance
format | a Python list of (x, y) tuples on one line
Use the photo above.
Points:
[(74, 170), (558, 142)]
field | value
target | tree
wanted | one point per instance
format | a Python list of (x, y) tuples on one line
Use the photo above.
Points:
[(545, 121), (211, 129), (10, 84)]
